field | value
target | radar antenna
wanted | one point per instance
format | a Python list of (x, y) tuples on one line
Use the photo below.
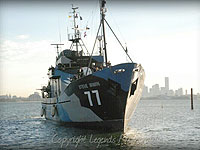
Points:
[(57, 47)]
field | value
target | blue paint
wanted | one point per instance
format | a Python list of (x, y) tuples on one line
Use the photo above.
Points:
[(123, 78), (63, 115), (63, 75)]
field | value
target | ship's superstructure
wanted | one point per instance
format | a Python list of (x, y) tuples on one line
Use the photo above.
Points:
[(85, 90)]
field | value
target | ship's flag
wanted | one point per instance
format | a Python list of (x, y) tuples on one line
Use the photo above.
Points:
[(69, 16), (85, 34)]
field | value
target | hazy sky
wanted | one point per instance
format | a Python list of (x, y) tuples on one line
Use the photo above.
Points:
[(163, 36)]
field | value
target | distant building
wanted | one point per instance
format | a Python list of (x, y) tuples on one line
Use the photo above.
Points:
[(34, 97), (167, 83), (179, 92), (155, 90), (4, 97), (14, 96), (170, 93), (163, 91)]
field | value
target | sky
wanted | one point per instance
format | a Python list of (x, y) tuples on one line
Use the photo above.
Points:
[(163, 36)]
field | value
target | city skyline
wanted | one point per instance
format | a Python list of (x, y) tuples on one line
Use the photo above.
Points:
[(33, 96), (157, 90)]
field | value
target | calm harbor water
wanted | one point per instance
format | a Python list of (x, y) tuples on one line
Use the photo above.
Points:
[(156, 124)]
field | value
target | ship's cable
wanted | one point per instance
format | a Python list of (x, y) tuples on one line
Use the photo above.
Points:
[(93, 48), (125, 50)]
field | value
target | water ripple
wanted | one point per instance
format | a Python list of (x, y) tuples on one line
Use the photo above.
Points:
[(152, 127)]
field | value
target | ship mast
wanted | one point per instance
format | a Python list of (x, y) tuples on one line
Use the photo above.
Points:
[(75, 37), (102, 26), (75, 27), (102, 12), (103, 21)]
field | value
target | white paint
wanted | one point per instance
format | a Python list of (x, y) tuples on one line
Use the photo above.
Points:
[(96, 92), (89, 97), (97, 96)]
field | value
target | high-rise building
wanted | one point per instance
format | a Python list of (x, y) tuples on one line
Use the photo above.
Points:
[(155, 90), (179, 92), (34, 96), (167, 83), (163, 91)]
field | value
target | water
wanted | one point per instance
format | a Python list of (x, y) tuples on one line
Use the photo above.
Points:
[(156, 124)]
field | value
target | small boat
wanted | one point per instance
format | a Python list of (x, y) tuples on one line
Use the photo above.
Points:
[(85, 90)]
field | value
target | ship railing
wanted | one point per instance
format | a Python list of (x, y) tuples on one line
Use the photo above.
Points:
[(74, 37)]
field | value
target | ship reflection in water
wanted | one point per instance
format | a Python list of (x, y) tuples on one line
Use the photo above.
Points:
[(156, 124)]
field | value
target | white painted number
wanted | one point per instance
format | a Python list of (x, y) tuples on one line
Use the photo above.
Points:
[(90, 99), (97, 96)]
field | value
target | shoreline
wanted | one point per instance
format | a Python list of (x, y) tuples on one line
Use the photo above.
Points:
[(20, 101)]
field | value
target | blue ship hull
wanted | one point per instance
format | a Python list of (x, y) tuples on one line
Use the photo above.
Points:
[(104, 99)]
